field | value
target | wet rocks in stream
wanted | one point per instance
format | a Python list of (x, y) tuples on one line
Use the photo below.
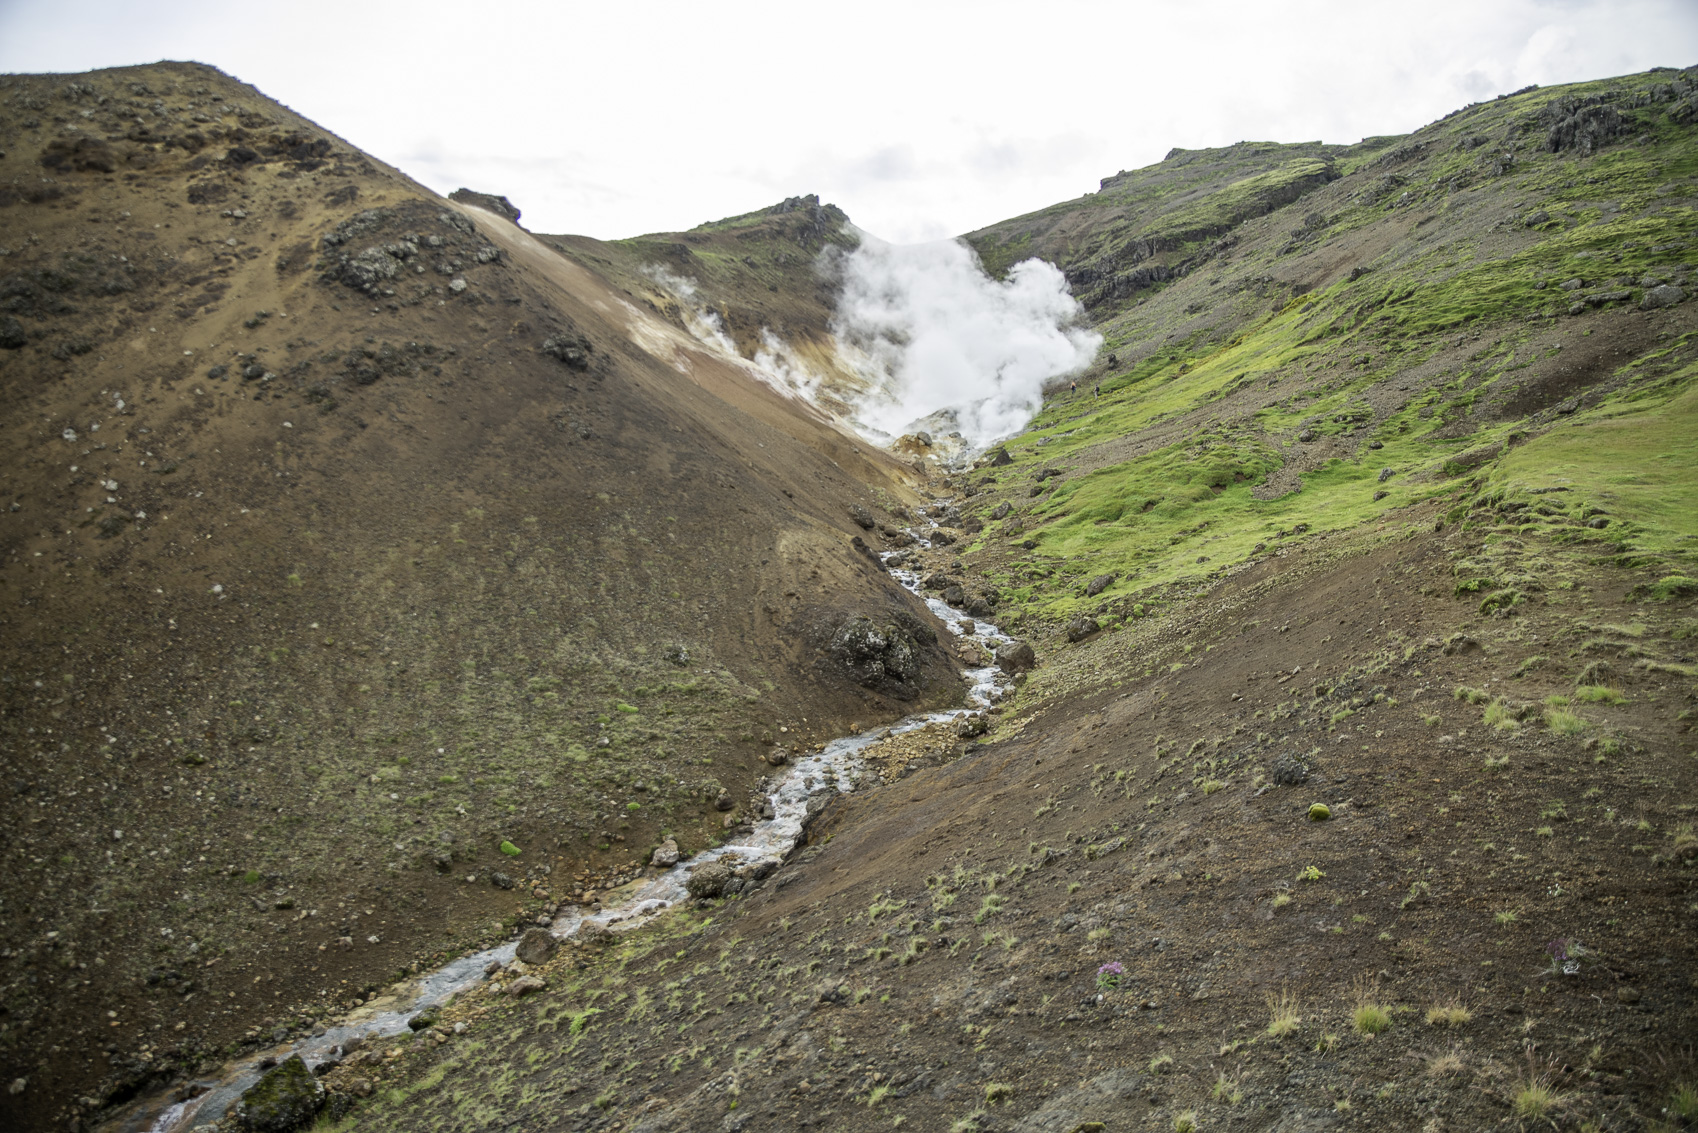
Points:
[(287, 1098), (537, 946), (709, 879)]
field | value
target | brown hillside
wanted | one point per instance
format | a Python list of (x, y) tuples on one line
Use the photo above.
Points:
[(349, 533)]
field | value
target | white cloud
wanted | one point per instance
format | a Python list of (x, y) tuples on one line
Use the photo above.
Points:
[(917, 118)]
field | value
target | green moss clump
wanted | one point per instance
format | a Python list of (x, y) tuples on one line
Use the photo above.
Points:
[(1319, 812), (510, 849)]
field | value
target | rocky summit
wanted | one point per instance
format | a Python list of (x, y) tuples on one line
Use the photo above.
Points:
[(1296, 715)]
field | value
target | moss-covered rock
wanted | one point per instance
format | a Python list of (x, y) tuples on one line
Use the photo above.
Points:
[(288, 1097)]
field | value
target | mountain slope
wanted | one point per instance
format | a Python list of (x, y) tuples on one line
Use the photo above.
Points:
[(353, 533)]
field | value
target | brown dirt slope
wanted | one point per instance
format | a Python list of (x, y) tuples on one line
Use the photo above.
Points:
[(347, 534), (933, 954)]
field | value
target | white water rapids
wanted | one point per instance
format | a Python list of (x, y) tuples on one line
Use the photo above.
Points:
[(837, 768)]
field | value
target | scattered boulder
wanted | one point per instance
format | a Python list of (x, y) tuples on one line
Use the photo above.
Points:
[(998, 457), (12, 336), (1290, 771), (1000, 511), (1666, 295), (1082, 627), (665, 855), (973, 725), (1098, 584), (537, 946), (594, 935), (1386, 474), (862, 517), (425, 1019), (524, 985), (1535, 218), (287, 1098), (955, 596), (708, 879), (1016, 657), (1307, 435), (572, 349)]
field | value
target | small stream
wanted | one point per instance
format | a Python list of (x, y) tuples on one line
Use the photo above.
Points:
[(836, 768)]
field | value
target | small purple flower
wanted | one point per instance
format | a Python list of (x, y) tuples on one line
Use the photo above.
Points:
[(1110, 975), (1558, 949)]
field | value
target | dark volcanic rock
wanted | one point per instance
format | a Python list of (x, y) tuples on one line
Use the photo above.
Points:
[(489, 202), (876, 656), (287, 1098), (1016, 657), (536, 946), (709, 880), (1080, 628), (1098, 584)]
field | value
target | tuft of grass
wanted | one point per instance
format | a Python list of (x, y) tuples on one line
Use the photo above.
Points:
[(1444, 1064), (1471, 695), (1281, 900), (1185, 1122), (1534, 1100), (1501, 716), (1370, 1019), (998, 1093), (1563, 722), (1161, 1064), (1285, 1015), (1226, 1090), (1598, 694), (1451, 1013), (1506, 916), (1683, 1101)]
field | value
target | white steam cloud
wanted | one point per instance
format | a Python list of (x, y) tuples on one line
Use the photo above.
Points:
[(937, 338)]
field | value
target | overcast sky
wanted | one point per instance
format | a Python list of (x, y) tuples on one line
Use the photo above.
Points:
[(920, 119)]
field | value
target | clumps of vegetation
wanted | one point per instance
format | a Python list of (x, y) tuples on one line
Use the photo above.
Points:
[(1285, 1015), (1562, 722), (1110, 975), (1471, 695), (1369, 1016), (1670, 587), (1598, 694), (1450, 1013), (1502, 716), (1311, 873), (1319, 812)]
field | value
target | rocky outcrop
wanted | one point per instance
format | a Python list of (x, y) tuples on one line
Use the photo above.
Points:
[(489, 202), (881, 657)]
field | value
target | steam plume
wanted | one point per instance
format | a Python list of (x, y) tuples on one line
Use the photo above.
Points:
[(931, 332)]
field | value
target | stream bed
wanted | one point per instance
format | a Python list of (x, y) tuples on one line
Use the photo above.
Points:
[(836, 768)]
